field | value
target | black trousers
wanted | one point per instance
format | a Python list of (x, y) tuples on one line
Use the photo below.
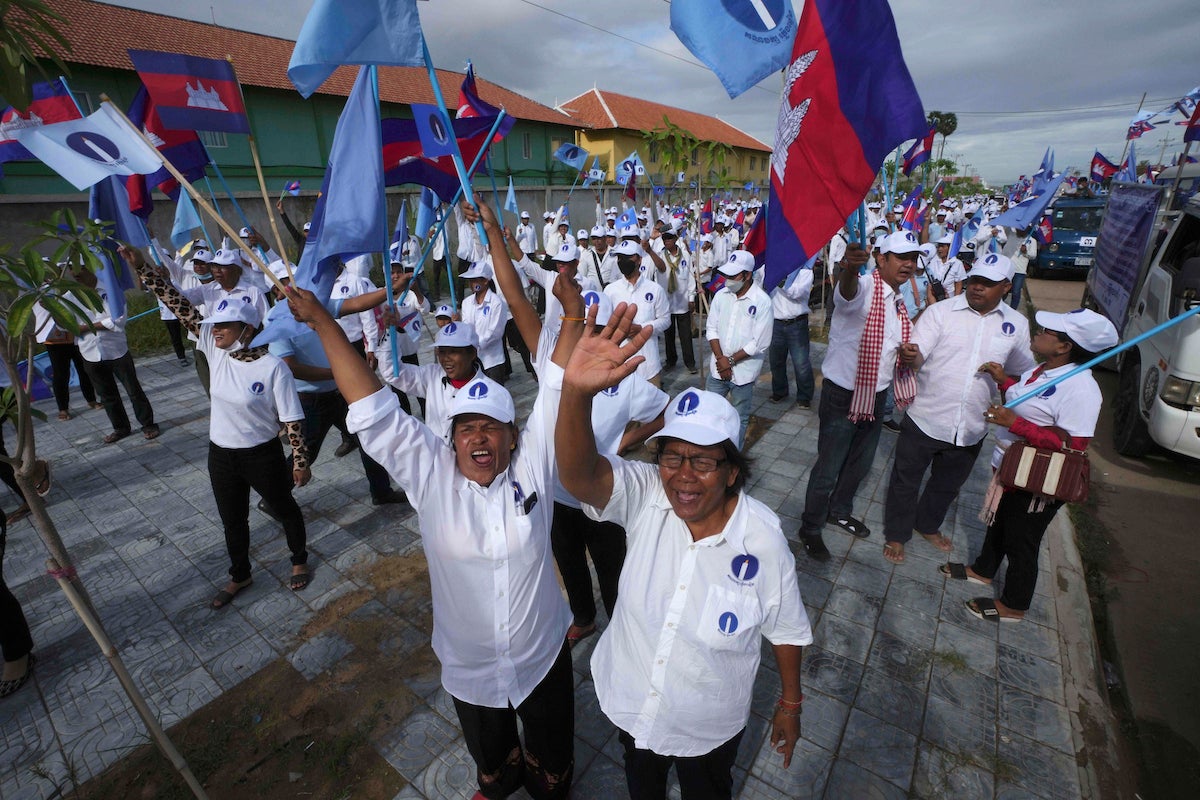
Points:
[(573, 537), (15, 641), (548, 717), (681, 326), (175, 331), (1016, 533), (512, 338), (7, 474), (325, 410), (706, 777), (61, 358), (845, 452), (233, 472), (104, 375), (916, 452)]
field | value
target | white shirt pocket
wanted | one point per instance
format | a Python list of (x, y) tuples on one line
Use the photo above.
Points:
[(730, 619)]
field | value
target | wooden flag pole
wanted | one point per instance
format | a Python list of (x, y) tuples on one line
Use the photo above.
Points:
[(262, 185), (199, 198)]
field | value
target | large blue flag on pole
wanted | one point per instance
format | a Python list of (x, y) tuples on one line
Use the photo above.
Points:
[(109, 202), (742, 42), (350, 215), (426, 212), (337, 32)]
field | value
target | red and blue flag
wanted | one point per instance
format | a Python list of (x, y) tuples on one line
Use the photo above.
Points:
[(848, 101), (756, 240), (919, 153), (1102, 168), (1193, 126), (182, 148), (1044, 232), (404, 162), (706, 217), (292, 188), (910, 220), (470, 104), (193, 93), (51, 103)]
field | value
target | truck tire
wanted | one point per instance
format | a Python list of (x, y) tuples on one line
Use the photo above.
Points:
[(1131, 437)]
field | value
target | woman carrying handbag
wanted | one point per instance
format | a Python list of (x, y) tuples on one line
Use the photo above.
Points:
[(1060, 419)]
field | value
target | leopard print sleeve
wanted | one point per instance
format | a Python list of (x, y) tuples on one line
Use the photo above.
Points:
[(296, 440), (164, 290)]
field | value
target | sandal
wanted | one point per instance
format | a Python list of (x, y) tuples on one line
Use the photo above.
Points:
[(21, 513), (43, 486), (64, 415), (894, 552), (577, 633), (94, 405), (151, 431), (8, 687), (854, 527), (116, 436), (985, 608), (938, 540), (959, 572), (225, 596), (299, 581)]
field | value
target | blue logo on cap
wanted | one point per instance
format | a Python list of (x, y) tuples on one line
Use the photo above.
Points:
[(246, 298), (1008, 329), (687, 404), (450, 328), (222, 305), (727, 623), (591, 298), (257, 387), (732, 256), (1077, 311), (992, 259), (478, 391), (744, 567)]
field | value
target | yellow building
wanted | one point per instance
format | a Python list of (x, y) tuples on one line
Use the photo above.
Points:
[(612, 125)]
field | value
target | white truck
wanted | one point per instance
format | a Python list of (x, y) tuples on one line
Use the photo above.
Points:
[(1147, 271)]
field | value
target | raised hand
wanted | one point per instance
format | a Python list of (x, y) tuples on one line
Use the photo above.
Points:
[(600, 360)]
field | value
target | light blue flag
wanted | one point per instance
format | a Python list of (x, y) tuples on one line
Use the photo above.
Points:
[(1128, 171), (628, 218), (572, 155), (400, 232), (510, 202), (186, 221), (1044, 174), (742, 42), (1028, 212), (337, 32), (109, 202), (966, 233), (426, 212), (350, 217), (88, 150)]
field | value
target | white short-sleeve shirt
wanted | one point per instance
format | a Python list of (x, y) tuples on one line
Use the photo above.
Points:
[(1073, 405), (249, 398)]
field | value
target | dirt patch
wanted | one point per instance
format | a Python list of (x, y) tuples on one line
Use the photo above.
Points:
[(278, 735)]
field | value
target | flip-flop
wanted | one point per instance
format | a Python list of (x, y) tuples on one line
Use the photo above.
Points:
[(938, 540), (577, 633), (891, 554), (64, 415), (855, 527), (959, 572), (299, 581), (43, 486), (8, 687), (151, 431), (984, 608), (224, 597), (116, 436), (21, 512)]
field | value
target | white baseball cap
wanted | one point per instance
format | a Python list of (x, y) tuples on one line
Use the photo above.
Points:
[(483, 396), (898, 208), (604, 303), (567, 252), (628, 247), (739, 261), (1091, 331), (901, 242), (630, 230), (581, 234), (226, 258), (947, 239), (202, 255), (456, 334), (307, 225), (524, 215), (443, 311), (244, 232), (994, 267), (233, 310), (279, 269), (701, 418), (599, 232), (478, 269), (706, 238)]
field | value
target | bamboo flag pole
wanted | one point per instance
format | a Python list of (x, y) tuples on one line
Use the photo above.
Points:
[(262, 185), (199, 198)]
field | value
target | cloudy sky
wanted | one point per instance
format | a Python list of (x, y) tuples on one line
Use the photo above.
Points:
[(1020, 74)]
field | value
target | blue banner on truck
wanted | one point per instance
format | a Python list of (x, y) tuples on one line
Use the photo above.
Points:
[(1121, 248)]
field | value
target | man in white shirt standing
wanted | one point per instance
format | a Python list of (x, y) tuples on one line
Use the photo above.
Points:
[(487, 311), (651, 300), (1026, 254), (953, 343), (869, 324), (789, 337), (526, 236), (674, 273), (739, 333)]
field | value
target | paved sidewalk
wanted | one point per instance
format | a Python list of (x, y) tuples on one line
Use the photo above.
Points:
[(908, 695)]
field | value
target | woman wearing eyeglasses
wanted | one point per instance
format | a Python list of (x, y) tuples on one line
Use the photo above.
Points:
[(707, 573)]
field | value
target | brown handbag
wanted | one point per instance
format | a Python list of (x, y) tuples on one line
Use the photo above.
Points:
[(1054, 474)]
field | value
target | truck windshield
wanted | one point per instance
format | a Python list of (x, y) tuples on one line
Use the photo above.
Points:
[(1077, 218)]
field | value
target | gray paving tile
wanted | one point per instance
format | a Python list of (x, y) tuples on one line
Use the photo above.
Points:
[(804, 778), (814, 590), (867, 580), (837, 635), (414, 744), (1031, 638), (1030, 673), (450, 775), (968, 690), (1039, 768), (823, 720), (879, 747), (836, 676), (899, 659), (1042, 720), (975, 650), (913, 627), (603, 777), (895, 702), (319, 654), (914, 595), (854, 604), (848, 780), (251, 653), (950, 776), (952, 729)]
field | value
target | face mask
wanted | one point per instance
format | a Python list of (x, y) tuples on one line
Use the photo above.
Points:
[(207, 277), (734, 286), (239, 344), (628, 266)]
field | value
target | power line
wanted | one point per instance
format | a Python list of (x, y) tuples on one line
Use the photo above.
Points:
[(1153, 102)]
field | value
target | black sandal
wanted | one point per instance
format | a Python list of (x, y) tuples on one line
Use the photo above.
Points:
[(855, 527), (299, 581), (224, 596)]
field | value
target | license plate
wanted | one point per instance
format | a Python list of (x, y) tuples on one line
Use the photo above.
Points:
[(1087, 241), (1083, 261)]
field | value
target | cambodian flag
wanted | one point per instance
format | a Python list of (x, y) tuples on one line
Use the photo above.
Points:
[(848, 100), (292, 188), (182, 148), (1139, 125), (756, 240), (51, 103), (403, 161), (1102, 168), (912, 209), (919, 153), (470, 104), (1044, 232), (706, 217), (193, 93), (1193, 126)]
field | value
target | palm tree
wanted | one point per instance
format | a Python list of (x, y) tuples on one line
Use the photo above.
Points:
[(946, 123)]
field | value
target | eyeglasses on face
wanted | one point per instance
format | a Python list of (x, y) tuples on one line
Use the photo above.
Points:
[(700, 464)]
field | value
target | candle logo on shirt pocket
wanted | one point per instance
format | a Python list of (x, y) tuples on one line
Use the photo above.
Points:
[(727, 623), (1008, 329)]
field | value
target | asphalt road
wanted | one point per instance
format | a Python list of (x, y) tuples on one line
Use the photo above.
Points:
[(1150, 509)]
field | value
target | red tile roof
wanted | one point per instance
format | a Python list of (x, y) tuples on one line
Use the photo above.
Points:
[(100, 34), (600, 110)]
